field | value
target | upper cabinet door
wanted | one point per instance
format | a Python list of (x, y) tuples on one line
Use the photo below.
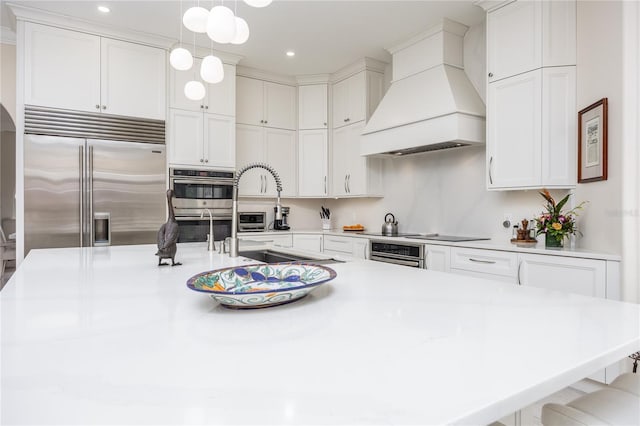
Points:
[(250, 101), (133, 79), (340, 103), (513, 140), (357, 104), (219, 141), (280, 106), (185, 141), (62, 68), (281, 154), (177, 99), (514, 39), (312, 107), (312, 162), (558, 33), (221, 97), (250, 149)]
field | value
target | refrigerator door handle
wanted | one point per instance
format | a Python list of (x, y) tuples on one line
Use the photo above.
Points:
[(81, 186), (90, 191)]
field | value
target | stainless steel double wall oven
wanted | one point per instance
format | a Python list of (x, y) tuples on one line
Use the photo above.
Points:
[(198, 193)]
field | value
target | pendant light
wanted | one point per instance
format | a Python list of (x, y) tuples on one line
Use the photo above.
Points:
[(258, 3), (221, 26), (180, 58), (194, 89), (242, 28), (212, 70), (195, 19)]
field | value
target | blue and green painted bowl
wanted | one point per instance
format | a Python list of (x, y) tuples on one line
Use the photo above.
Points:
[(261, 285)]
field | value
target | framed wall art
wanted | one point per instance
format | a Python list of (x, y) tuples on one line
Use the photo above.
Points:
[(592, 142)]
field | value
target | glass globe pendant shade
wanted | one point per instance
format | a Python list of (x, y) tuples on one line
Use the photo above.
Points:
[(221, 26), (194, 90), (258, 3), (242, 31), (195, 19), (180, 59), (211, 69)]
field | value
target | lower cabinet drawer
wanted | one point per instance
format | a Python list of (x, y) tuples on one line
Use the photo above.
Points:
[(338, 244), (485, 261)]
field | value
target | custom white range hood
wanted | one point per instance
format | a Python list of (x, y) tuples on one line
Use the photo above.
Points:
[(431, 104)]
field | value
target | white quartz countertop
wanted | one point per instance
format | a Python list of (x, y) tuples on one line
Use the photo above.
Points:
[(105, 336), (502, 245)]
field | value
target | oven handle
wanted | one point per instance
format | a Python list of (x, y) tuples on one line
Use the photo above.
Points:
[(412, 263), (206, 217), (207, 181)]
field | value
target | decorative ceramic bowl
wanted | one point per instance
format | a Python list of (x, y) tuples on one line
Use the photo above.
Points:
[(262, 285)]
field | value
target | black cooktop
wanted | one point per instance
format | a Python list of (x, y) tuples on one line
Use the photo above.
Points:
[(380, 234), (451, 238)]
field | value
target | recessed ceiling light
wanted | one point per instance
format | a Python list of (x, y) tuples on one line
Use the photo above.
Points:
[(291, 53), (104, 9)]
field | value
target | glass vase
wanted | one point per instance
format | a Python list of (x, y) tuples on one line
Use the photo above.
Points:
[(551, 241)]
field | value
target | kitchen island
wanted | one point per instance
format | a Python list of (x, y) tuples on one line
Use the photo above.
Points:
[(104, 336)]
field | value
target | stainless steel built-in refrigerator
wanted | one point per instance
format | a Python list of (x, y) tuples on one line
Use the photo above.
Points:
[(81, 192)]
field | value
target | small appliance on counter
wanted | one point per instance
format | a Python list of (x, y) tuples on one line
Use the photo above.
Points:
[(390, 225), (281, 225), (252, 221)]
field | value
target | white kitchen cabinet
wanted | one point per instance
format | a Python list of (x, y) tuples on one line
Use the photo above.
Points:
[(84, 72), (312, 107), (488, 264), (581, 276), (437, 257), (526, 35), (531, 130), (308, 242), (353, 175), (313, 148), (281, 240), (356, 97), (350, 246), (201, 139), (263, 103), (220, 98), (277, 148)]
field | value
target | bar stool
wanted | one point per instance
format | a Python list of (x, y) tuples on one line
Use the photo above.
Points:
[(618, 404)]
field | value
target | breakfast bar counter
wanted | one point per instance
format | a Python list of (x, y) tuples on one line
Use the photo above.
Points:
[(105, 336)]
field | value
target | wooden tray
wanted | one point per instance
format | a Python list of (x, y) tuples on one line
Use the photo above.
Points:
[(516, 241), (352, 229)]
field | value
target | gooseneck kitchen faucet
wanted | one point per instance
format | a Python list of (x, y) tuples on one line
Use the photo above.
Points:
[(233, 245)]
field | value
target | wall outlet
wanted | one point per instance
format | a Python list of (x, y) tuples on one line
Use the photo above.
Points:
[(507, 220)]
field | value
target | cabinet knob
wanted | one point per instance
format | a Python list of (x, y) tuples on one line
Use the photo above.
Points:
[(97, 106), (345, 120), (490, 74), (201, 106), (104, 107), (325, 124), (265, 121), (206, 160), (206, 107), (261, 121), (201, 160)]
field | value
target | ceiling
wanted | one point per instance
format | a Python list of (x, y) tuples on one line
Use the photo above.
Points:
[(326, 35)]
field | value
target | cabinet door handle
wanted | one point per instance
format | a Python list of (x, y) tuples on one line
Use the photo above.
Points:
[(262, 184), (104, 107), (265, 121), (206, 107), (345, 120), (349, 183), (345, 184), (519, 267), (202, 160), (201, 106), (490, 167), (266, 184), (426, 259), (488, 262), (206, 160), (325, 185), (97, 106), (261, 121)]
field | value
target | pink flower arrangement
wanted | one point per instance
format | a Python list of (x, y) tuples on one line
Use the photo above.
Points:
[(555, 223)]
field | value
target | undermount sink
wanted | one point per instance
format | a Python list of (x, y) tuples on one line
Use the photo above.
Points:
[(271, 256)]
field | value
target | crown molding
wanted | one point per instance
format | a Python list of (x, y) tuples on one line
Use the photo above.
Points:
[(447, 25), (313, 79), (489, 5), (7, 35), (364, 64), (201, 52), (265, 75), (38, 16)]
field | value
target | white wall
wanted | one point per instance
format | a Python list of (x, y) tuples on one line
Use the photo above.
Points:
[(599, 75), (8, 78)]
